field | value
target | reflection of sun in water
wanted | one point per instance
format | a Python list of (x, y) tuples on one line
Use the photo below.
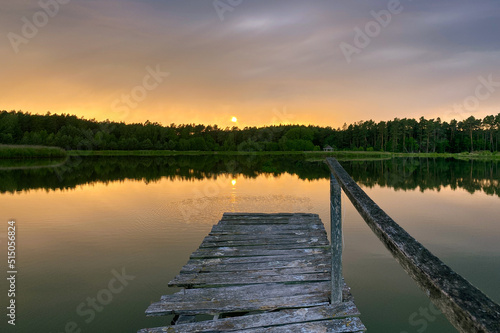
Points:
[(234, 119), (233, 182)]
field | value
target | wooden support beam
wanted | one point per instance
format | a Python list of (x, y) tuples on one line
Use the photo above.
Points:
[(336, 240)]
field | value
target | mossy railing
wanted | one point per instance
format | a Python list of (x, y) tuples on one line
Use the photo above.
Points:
[(465, 306)]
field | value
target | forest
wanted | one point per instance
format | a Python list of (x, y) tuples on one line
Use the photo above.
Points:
[(398, 135)]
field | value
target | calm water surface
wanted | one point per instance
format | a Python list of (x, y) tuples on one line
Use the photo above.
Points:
[(82, 224)]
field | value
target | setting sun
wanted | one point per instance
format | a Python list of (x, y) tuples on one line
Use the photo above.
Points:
[(233, 182), (234, 119)]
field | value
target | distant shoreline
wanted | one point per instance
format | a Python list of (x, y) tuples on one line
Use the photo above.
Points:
[(43, 152), (308, 154)]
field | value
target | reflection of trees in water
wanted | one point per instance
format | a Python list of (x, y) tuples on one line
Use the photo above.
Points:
[(398, 173), (428, 174), (151, 169)]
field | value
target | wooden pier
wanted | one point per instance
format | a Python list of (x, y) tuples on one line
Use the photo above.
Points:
[(259, 273), (277, 273)]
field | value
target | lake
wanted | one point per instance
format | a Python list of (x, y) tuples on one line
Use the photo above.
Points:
[(98, 239)]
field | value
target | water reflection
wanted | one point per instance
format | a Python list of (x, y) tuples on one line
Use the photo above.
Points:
[(428, 174), (149, 214), (398, 173)]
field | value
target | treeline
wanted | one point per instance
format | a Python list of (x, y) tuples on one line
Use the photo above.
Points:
[(398, 135)]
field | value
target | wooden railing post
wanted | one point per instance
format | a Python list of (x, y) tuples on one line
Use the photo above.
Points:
[(336, 239)]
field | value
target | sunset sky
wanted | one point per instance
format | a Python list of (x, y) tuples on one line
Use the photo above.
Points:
[(263, 62)]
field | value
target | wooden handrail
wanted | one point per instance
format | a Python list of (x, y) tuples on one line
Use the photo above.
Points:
[(465, 306)]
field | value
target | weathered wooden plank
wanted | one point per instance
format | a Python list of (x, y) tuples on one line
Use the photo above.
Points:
[(258, 215), (252, 292), (204, 280), (227, 306), (237, 252), (272, 223), (292, 219), (289, 233), (274, 228), (350, 324), (261, 270), (296, 225), (260, 259), (277, 318), (268, 215), (247, 236), (264, 233), (196, 265), (311, 241), (305, 221), (246, 292), (264, 237), (289, 246), (184, 277)]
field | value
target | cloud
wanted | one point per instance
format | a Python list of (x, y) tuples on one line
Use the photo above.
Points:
[(263, 56)]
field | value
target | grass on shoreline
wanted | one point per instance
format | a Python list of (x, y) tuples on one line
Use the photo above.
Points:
[(33, 152), (30, 152), (152, 153)]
